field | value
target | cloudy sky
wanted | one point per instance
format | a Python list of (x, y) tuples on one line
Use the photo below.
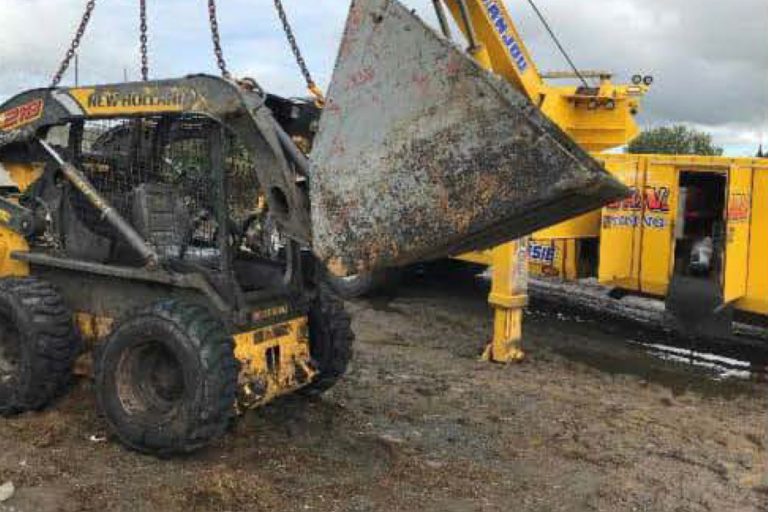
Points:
[(709, 57)]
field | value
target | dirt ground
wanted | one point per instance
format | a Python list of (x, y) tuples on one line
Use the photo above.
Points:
[(586, 423)]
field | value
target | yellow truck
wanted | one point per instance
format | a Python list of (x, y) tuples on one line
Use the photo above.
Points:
[(683, 208), (648, 243)]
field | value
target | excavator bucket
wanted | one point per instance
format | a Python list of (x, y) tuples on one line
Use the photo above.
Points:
[(421, 153)]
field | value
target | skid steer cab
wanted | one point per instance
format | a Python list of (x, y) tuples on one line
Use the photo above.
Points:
[(133, 221)]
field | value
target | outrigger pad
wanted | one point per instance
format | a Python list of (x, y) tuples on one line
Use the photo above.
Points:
[(423, 154)]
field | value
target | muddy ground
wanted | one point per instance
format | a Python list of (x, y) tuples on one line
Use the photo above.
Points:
[(586, 423)]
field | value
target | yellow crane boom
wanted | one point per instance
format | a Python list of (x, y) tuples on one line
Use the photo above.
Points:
[(597, 117)]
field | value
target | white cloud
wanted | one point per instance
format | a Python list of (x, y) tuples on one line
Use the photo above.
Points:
[(710, 57)]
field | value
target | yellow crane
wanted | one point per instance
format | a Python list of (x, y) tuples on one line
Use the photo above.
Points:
[(596, 117), (693, 233)]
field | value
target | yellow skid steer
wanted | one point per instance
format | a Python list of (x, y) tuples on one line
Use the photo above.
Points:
[(138, 221)]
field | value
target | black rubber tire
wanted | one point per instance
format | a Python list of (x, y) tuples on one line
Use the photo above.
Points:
[(45, 344), (170, 348), (331, 339)]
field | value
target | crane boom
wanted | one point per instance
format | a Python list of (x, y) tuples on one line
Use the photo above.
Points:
[(598, 118), (500, 45)]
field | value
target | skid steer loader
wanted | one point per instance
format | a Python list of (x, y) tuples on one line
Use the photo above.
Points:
[(134, 225)]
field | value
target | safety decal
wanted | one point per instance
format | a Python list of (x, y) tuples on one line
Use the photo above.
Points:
[(21, 115)]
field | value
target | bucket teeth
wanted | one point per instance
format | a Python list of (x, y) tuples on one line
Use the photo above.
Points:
[(421, 153)]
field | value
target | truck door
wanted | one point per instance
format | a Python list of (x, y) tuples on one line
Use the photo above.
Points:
[(737, 231), (620, 228), (660, 192)]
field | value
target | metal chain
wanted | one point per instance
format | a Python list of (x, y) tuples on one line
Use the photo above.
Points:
[(89, 6), (143, 39), (311, 85), (217, 39)]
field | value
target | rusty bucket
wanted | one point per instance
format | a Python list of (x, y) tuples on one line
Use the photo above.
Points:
[(421, 153)]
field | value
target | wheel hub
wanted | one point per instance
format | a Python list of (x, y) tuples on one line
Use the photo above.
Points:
[(150, 380)]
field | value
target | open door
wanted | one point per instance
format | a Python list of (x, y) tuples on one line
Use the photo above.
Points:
[(660, 198), (695, 295), (737, 232), (620, 229)]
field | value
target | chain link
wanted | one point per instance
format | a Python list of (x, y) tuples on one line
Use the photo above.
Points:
[(292, 41), (218, 52), (89, 6), (143, 38), (311, 85)]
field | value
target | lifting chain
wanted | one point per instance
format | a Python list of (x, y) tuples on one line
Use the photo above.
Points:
[(217, 39), (311, 85), (89, 6), (143, 39)]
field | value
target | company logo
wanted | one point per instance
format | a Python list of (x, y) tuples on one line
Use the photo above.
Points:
[(502, 27), (268, 313), (541, 253), (652, 199), (21, 115), (739, 207), (108, 101), (633, 221)]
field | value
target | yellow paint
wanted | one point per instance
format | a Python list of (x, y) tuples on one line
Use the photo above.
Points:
[(508, 298), (553, 258), (738, 216), (619, 255), (11, 242), (270, 358), (595, 128), (657, 234), (756, 300), (479, 257), (583, 226), (597, 120), (110, 102), (24, 174), (499, 54), (93, 328), (567, 258)]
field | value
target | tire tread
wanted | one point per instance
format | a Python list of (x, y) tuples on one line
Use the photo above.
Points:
[(51, 336)]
